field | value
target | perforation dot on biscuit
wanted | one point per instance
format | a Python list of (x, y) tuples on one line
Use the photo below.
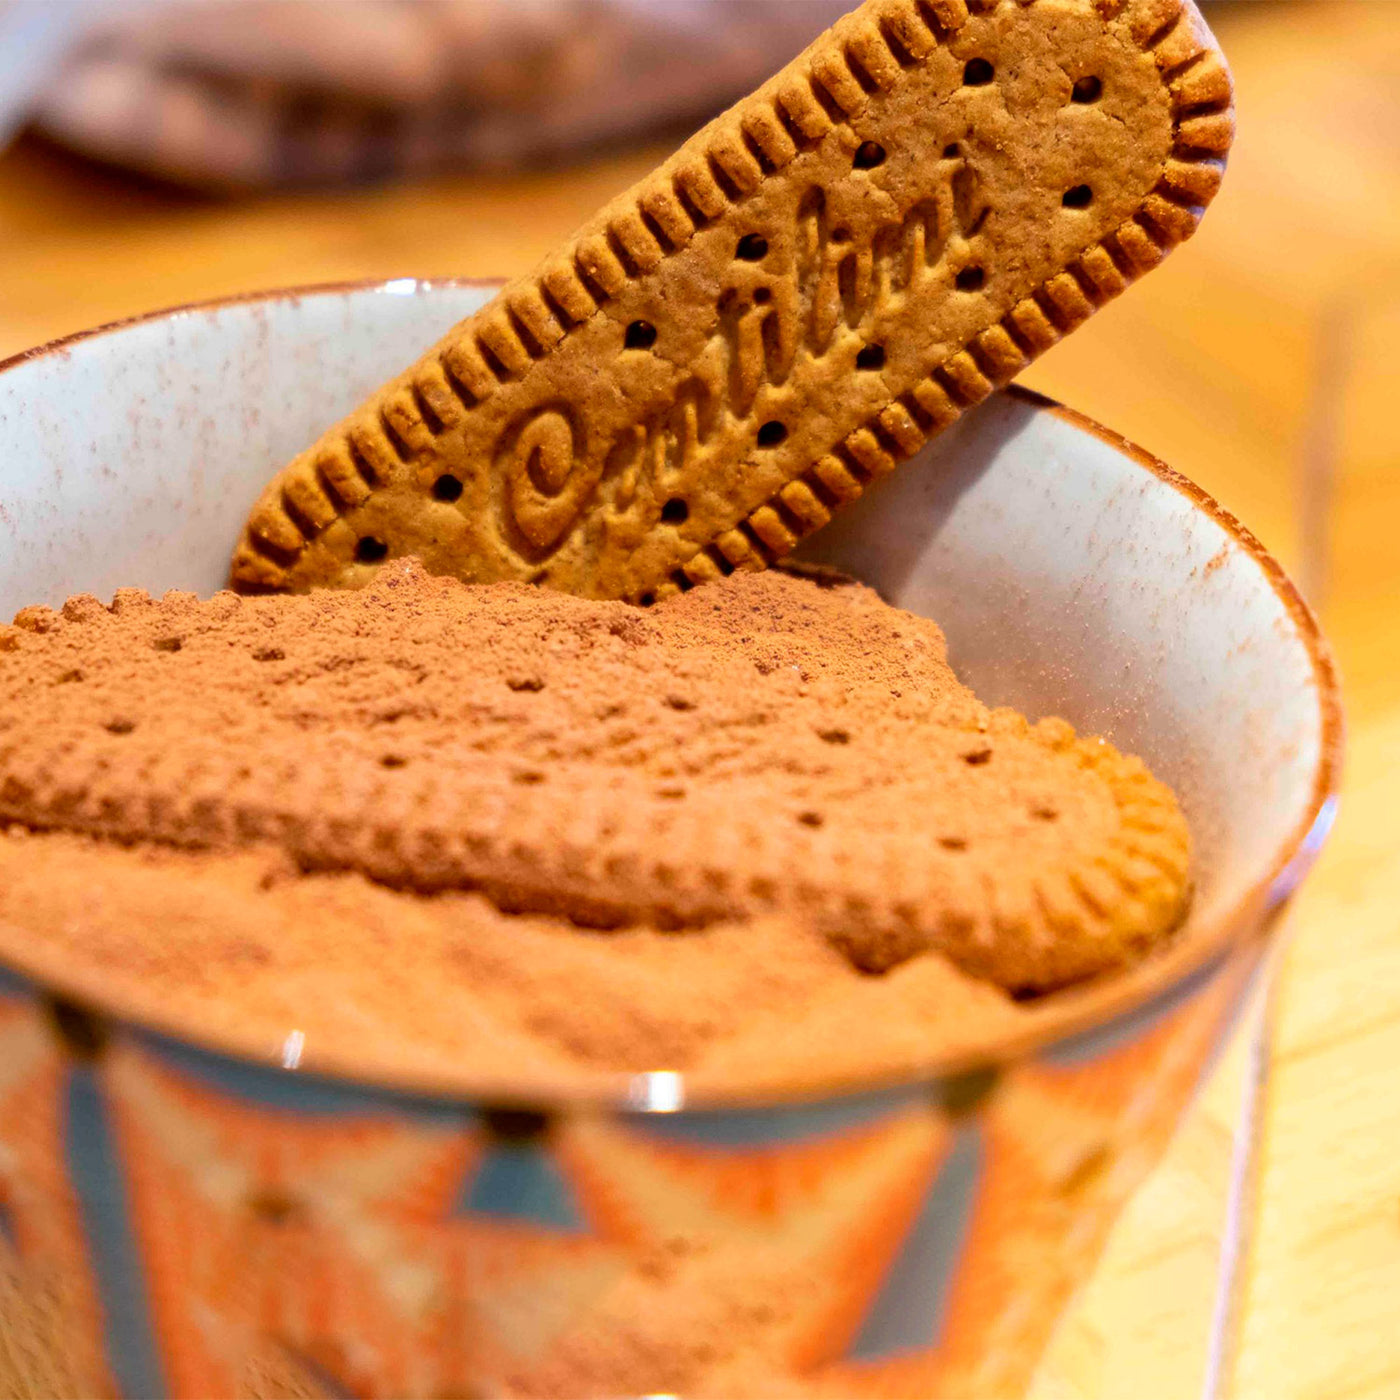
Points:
[(868, 155), (1088, 89), (970, 279), (978, 73), (752, 247), (1080, 197), (675, 511), (771, 434), (447, 488), (640, 335), (871, 357), (369, 550)]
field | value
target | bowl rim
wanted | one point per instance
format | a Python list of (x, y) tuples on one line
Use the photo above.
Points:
[(1060, 1017)]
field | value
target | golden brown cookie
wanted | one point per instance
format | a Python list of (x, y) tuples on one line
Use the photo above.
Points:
[(768, 748), (812, 286)]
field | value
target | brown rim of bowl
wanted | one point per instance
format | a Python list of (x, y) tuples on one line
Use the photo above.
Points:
[(1058, 1017)]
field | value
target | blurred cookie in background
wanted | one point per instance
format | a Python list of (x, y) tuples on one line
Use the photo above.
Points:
[(230, 94)]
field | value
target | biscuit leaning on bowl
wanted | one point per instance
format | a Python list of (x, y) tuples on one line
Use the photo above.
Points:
[(812, 286)]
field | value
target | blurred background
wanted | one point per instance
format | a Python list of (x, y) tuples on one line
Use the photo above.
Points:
[(154, 152)]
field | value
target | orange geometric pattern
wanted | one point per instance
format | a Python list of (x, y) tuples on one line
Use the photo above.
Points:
[(818, 1221), (298, 1245), (260, 1225), (319, 1253), (510, 1292), (50, 1320), (1065, 1148), (303, 1250)]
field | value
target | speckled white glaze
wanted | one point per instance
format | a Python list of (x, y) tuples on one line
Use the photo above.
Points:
[(131, 456), (1071, 578), (1072, 574)]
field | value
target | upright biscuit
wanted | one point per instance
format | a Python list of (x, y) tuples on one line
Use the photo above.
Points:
[(812, 286)]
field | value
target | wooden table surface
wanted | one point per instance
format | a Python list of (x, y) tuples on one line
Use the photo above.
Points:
[(1261, 360)]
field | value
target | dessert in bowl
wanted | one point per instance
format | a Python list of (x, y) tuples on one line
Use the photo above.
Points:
[(822, 1205)]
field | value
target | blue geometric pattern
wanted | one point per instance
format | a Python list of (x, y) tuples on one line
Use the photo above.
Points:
[(94, 1169), (907, 1312), (519, 1181)]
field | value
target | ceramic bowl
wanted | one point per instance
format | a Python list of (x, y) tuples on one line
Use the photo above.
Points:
[(197, 1212)]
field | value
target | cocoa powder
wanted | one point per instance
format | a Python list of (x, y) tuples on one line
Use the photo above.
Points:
[(525, 829)]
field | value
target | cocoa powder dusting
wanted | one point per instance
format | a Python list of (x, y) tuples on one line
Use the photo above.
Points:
[(431, 824)]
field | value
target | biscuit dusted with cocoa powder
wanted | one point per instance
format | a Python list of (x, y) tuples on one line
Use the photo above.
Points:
[(769, 748), (930, 196)]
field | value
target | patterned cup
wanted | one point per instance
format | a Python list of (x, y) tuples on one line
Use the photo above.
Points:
[(195, 1214)]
